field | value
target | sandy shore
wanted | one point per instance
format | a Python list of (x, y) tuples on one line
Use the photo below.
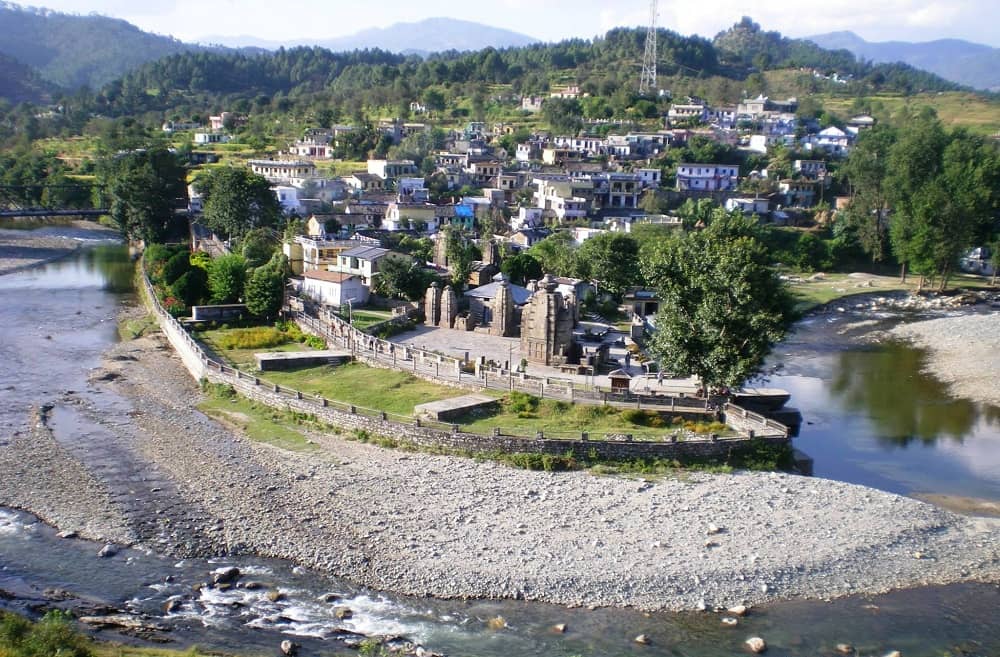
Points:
[(451, 527), (963, 352), (21, 249)]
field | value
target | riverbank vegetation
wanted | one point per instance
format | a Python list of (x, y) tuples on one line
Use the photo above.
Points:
[(54, 635)]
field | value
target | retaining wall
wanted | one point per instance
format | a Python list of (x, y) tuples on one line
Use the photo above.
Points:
[(422, 433)]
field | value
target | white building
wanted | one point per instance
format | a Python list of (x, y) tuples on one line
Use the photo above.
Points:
[(281, 172), (202, 138), (707, 177), (334, 288)]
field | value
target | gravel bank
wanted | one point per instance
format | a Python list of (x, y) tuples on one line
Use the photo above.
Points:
[(21, 249), (962, 352), (450, 527)]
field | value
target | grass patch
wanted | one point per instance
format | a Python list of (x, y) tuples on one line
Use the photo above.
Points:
[(281, 428), (130, 329), (392, 391), (523, 415), (362, 319)]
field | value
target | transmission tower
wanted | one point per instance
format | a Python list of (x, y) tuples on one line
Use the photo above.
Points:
[(647, 82)]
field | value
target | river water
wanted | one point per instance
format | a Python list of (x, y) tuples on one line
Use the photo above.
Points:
[(57, 319)]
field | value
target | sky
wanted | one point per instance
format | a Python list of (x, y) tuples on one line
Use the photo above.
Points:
[(553, 20)]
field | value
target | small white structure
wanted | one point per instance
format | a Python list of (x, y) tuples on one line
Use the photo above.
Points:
[(203, 138), (334, 288), (288, 197), (748, 206)]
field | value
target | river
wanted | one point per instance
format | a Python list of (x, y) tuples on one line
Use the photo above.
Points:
[(58, 318)]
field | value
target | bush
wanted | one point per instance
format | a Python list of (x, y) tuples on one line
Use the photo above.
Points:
[(177, 266), (522, 402), (191, 287), (53, 635)]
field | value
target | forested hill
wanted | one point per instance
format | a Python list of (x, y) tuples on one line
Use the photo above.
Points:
[(20, 83), (602, 67), (73, 51)]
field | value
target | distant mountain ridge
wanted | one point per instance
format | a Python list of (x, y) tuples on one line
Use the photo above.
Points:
[(72, 51), (422, 37), (972, 64)]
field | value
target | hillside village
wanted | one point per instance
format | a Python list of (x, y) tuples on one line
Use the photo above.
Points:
[(585, 185)]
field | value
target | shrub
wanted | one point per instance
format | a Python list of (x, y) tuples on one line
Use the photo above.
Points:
[(192, 286), (53, 635), (178, 265), (522, 402)]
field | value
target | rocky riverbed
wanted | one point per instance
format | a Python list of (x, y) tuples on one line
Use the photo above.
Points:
[(451, 527), (963, 352)]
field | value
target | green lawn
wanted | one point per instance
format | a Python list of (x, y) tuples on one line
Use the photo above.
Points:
[(564, 420), (362, 319), (392, 391)]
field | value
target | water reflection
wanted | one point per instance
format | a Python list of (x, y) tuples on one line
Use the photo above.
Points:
[(903, 403)]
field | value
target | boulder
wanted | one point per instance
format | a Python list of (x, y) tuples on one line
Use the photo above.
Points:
[(560, 628), (642, 639), (343, 613), (69, 533), (171, 605), (277, 596), (845, 648), (226, 576), (108, 551), (738, 610), (730, 621), (289, 648), (756, 645)]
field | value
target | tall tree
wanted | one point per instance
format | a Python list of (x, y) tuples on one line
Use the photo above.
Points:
[(227, 278), (914, 161), (142, 189), (722, 303), (613, 260), (867, 169), (236, 200)]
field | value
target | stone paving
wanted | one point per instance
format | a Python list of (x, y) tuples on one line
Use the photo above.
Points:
[(460, 344)]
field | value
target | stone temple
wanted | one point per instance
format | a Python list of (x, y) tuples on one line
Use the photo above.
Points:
[(547, 323)]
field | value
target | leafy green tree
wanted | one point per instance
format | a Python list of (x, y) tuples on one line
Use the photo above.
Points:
[(227, 278), (613, 261), (867, 170), (461, 254), (563, 115), (258, 246), (722, 304), (236, 200), (264, 292), (142, 189), (557, 255), (696, 213), (401, 278), (521, 268)]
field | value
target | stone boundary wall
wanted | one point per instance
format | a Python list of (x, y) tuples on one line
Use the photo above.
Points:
[(422, 433)]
